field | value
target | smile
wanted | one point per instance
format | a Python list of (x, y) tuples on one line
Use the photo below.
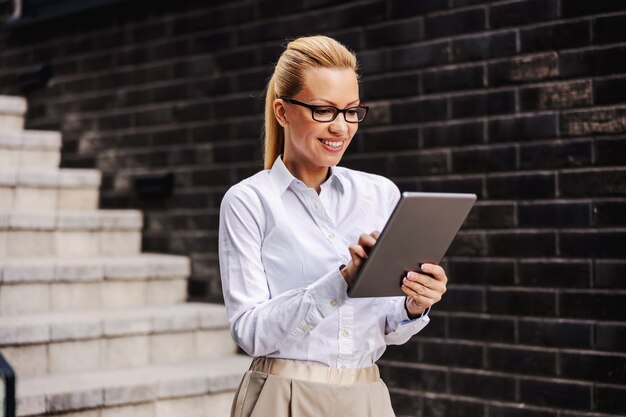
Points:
[(332, 144)]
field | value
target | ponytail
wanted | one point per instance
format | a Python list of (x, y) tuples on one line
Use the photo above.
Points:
[(274, 133)]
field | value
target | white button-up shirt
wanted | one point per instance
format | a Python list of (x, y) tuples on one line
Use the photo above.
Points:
[(280, 248)]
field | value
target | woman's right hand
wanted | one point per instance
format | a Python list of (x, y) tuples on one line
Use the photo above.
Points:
[(358, 253)]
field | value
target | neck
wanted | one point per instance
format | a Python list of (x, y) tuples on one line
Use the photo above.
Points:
[(312, 177)]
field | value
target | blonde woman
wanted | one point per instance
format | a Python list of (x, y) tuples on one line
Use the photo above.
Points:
[(291, 241)]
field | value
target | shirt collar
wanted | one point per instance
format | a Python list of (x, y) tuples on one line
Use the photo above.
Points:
[(282, 178)]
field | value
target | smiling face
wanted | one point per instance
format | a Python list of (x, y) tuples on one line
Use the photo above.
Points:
[(310, 146)]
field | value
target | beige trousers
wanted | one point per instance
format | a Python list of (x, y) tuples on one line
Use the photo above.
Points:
[(287, 388)]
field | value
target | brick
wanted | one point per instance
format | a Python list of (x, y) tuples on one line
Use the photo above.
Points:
[(491, 216), (556, 155), (432, 380), (593, 367), (484, 160), (555, 273), (374, 62), (554, 215), (556, 36), (388, 140), (483, 329), (553, 333), (521, 244), (404, 404), (610, 399), (491, 45), (572, 8), (609, 29), (592, 243), (522, 361), (556, 394), (521, 186), (523, 128), (483, 104), (607, 91), (438, 406), (421, 110), (454, 23), (609, 274), (390, 86), (596, 62), (453, 134), (593, 183), (425, 162), (422, 55), (527, 303), (468, 244), (394, 33), (526, 68), (379, 114), (407, 352), (464, 78), (610, 336), (400, 8), (522, 12), (576, 123), (609, 213), (447, 185), (556, 96), (609, 151), (455, 354), (482, 386), (480, 272), (462, 299), (592, 306)]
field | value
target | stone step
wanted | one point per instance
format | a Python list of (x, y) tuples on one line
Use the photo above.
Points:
[(30, 149), (193, 389), (12, 110), (70, 233), (64, 342), (31, 190), (58, 284)]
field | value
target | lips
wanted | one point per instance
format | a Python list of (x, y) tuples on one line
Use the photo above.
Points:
[(332, 143)]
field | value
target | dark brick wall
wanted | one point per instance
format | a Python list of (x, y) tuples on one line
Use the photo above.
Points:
[(522, 102)]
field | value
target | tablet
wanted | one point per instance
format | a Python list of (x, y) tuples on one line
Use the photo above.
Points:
[(420, 230)]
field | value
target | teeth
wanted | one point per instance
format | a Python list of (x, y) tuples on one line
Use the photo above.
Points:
[(332, 144)]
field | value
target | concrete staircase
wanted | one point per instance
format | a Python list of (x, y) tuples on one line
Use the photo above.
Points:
[(92, 326)]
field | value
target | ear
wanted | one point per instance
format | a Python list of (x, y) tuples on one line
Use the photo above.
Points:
[(280, 112)]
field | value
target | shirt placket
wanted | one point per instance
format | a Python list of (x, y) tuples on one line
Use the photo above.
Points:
[(346, 311)]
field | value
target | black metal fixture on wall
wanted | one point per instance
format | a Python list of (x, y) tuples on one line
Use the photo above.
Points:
[(7, 386)]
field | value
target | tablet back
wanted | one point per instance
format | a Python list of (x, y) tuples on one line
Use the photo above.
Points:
[(420, 230)]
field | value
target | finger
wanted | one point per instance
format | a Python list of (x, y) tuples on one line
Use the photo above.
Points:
[(357, 252), (436, 271), (426, 281), (366, 240), (375, 234), (422, 295), (422, 289)]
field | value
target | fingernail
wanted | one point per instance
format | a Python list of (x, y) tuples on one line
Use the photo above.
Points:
[(405, 280)]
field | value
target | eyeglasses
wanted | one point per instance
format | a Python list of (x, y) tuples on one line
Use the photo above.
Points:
[(326, 114)]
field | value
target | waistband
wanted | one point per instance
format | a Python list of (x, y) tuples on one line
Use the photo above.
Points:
[(315, 373)]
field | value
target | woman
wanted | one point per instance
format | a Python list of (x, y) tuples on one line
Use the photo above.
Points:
[(291, 242)]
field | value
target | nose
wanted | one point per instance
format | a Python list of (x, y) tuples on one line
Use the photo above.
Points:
[(339, 126)]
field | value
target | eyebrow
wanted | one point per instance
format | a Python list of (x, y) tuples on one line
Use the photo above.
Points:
[(357, 101)]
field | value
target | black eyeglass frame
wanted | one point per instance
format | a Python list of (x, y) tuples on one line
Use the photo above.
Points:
[(337, 110)]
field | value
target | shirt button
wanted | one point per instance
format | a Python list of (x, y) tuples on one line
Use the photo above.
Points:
[(344, 260), (306, 327), (333, 302), (345, 333), (331, 235)]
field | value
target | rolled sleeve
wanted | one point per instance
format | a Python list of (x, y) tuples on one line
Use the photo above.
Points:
[(400, 327)]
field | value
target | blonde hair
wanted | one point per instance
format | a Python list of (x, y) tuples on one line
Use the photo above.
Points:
[(288, 78)]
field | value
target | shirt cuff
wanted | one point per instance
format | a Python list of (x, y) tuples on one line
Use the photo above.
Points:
[(329, 293)]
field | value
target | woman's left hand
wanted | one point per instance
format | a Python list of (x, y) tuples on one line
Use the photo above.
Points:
[(423, 291)]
